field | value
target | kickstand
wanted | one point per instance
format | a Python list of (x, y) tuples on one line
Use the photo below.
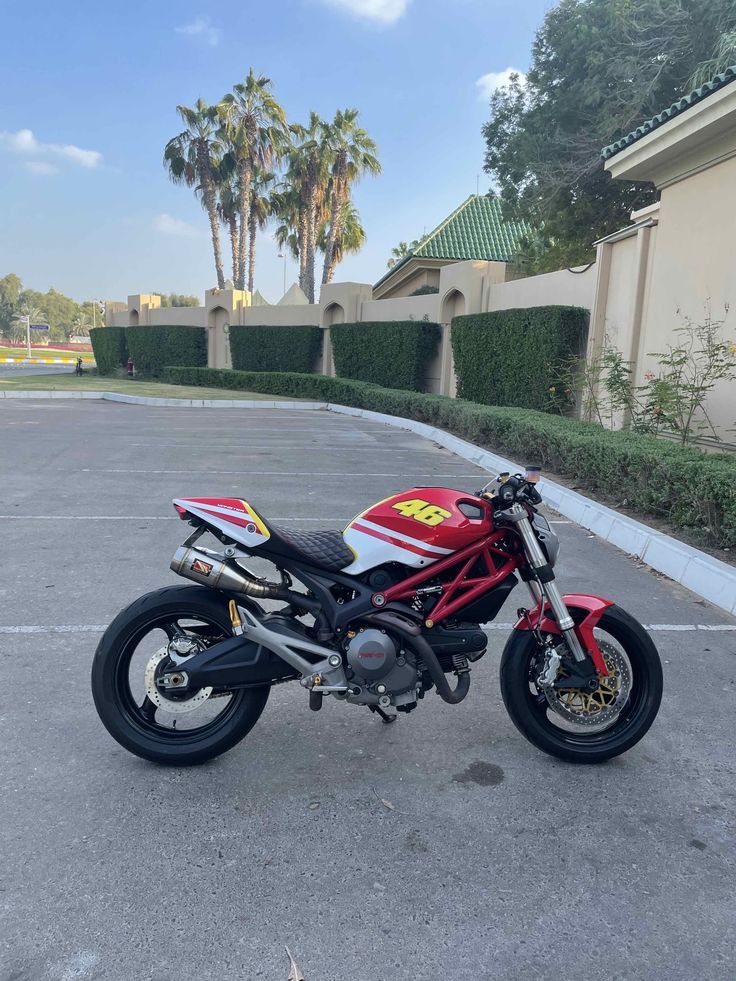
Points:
[(385, 717)]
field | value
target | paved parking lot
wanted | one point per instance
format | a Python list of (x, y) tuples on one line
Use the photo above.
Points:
[(373, 852)]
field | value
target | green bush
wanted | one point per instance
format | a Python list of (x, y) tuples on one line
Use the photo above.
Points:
[(508, 357), (695, 491), (110, 348), (275, 348), (396, 354), (152, 348)]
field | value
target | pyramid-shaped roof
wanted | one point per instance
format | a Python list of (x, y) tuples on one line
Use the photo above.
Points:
[(475, 230)]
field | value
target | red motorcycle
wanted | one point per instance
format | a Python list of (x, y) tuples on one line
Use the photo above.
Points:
[(387, 610)]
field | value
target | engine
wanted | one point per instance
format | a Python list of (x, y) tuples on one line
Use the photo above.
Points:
[(381, 668), (386, 672)]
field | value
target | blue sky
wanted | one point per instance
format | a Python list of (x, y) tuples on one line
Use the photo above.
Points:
[(87, 100)]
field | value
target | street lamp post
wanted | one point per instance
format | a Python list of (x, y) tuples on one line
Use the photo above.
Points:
[(25, 318), (282, 255)]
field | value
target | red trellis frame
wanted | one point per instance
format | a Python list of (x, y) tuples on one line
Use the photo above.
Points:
[(460, 591)]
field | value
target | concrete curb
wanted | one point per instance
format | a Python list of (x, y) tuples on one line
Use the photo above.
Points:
[(708, 577)]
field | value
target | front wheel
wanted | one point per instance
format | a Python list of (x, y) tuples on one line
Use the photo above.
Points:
[(132, 654), (586, 727)]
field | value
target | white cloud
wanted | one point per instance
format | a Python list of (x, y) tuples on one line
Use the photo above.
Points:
[(41, 167), (383, 11), (25, 143), (201, 27), (487, 84), (167, 225)]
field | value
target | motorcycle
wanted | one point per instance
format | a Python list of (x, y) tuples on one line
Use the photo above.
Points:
[(388, 610)]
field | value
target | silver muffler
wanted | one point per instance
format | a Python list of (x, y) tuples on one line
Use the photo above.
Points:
[(210, 569), (218, 572)]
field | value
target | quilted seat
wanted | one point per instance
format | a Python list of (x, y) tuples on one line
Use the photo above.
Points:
[(326, 549)]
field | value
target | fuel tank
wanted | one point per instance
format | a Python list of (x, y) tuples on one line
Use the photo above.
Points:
[(416, 528)]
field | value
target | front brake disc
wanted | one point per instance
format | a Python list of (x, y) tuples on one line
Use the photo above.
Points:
[(594, 708)]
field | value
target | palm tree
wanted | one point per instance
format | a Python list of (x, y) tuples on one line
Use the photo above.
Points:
[(351, 153), (260, 212), (291, 231), (724, 56), (350, 239), (308, 172), (228, 210), (192, 158), (254, 127)]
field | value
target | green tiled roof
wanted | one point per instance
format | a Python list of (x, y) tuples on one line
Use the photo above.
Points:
[(475, 230), (687, 101)]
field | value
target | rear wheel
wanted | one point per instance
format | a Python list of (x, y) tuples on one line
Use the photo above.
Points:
[(578, 726), (134, 650)]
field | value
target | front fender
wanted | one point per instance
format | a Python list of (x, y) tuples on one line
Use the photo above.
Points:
[(585, 610)]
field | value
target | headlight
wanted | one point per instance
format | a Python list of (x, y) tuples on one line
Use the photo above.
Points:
[(547, 539)]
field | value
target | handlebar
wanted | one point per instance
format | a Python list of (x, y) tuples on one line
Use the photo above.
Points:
[(506, 490)]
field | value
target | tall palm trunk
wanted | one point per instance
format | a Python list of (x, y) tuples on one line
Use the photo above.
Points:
[(338, 193), (302, 242), (252, 253), (311, 245), (210, 202), (246, 177), (233, 226), (331, 266)]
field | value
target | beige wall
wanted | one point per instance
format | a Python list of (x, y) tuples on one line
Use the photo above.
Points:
[(678, 257), (402, 308), (188, 316), (563, 288), (464, 287)]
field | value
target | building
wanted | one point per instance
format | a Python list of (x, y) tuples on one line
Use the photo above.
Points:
[(476, 231), (676, 261)]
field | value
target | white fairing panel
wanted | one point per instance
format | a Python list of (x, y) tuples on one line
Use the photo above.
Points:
[(236, 518), (374, 545)]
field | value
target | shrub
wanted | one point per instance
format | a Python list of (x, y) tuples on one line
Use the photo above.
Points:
[(695, 491), (508, 357), (110, 348), (152, 348), (275, 348), (395, 354)]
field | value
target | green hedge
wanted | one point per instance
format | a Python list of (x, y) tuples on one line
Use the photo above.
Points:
[(396, 354), (152, 348), (695, 491), (110, 348), (508, 357), (275, 348)]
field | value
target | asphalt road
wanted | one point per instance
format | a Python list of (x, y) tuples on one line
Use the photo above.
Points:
[(442, 847)]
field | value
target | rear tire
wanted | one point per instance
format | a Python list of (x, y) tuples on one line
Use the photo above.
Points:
[(536, 722), (125, 720)]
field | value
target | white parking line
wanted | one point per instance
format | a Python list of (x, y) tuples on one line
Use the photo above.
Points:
[(331, 521), (279, 473), (92, 628)]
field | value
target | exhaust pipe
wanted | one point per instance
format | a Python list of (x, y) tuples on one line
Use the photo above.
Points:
[(213, 570)]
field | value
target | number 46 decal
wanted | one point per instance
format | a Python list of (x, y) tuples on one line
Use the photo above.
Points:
[(428, 514)]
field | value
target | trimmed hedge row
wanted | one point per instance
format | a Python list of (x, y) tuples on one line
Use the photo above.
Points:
[(152, 348), (110, 348), (695, 491), (508, 357), (275, 348), (395, 354)]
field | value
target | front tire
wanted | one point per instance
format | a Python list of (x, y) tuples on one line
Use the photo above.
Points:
[(132, 719), (532, 716)]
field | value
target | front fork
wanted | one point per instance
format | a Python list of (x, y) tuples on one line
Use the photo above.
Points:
[(544, 585)]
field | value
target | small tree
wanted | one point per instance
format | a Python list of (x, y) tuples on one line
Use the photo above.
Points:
[(673, 399)]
